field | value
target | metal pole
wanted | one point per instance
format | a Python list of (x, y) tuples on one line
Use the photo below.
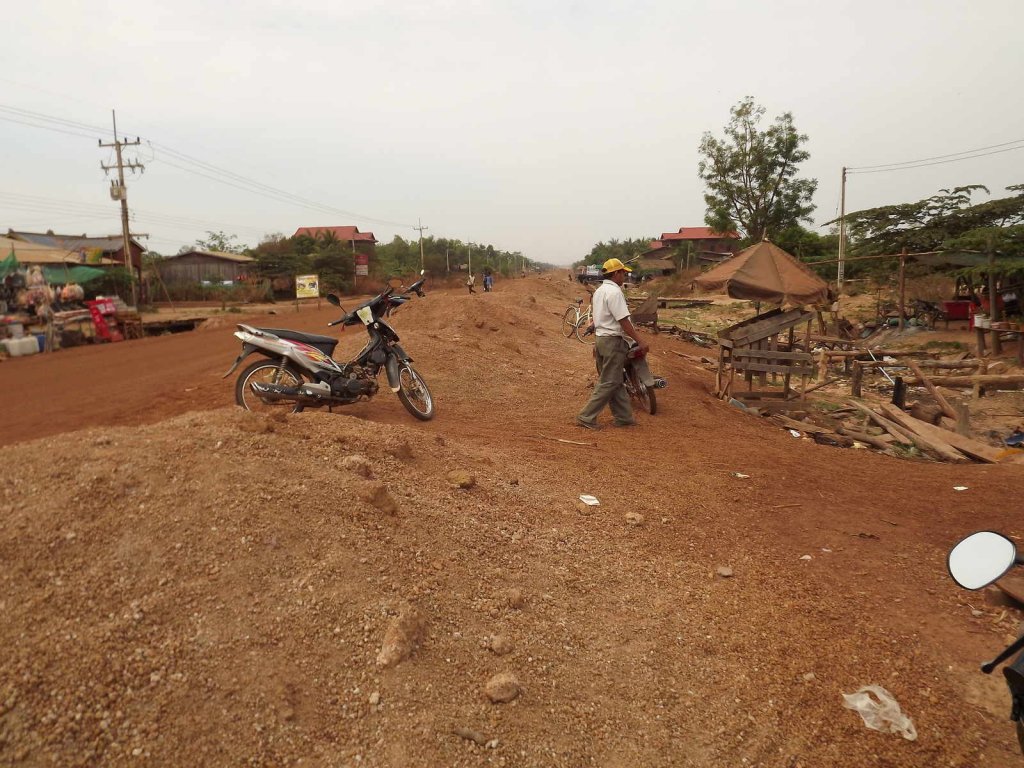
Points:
[(993, 307), (841, 273), (471, 258)]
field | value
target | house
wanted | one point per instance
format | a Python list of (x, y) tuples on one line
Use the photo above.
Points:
[(204, 267), (701, 243), (85, 249), (366, 241)]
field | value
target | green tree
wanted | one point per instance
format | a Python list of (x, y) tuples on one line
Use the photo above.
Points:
[(948, 220), (751, 174), (219, 241)]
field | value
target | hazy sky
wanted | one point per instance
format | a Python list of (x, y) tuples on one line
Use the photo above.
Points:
[(542, 127)]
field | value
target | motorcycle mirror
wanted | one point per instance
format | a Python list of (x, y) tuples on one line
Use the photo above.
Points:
[(395, 282), (980, 559), (332, 299)]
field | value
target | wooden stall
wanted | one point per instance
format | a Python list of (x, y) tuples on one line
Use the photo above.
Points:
[(761, 346)]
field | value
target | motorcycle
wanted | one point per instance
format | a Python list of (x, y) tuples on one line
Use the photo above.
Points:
[(297, 369), (975, 562), (638, 380)]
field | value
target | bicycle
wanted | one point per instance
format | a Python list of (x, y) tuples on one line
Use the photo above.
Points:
[(572, 317), (585, 328)]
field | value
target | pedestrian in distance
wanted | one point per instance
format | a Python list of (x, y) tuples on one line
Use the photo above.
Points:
[(470, 282), (613, 326)]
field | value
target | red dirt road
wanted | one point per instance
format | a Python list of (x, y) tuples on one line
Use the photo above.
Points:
[(224, 581)]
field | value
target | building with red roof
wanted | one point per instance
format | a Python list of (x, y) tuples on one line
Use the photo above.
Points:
[(701, 243), (349, 234)]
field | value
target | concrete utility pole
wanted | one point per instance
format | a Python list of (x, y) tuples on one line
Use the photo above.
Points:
[(421, 228), (841, 272), (118, 191)]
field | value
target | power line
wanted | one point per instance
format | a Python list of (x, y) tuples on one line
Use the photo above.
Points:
[(925, 160), (940, 162), (201, 167)]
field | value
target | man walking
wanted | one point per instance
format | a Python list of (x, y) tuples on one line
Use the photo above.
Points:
[(612, 326)]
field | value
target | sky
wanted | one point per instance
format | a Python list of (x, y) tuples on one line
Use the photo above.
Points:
[(540, 127)]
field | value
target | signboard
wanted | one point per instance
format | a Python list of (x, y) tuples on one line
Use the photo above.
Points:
[(362, 269), (362, 259), (307, 287)]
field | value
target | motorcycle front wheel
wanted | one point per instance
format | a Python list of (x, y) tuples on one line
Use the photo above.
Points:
[(265, 372), (414, 394)]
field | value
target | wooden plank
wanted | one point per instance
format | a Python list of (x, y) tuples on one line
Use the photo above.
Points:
[(947, 409), (755, 394), (965, 445), (940, 450), (770, 368), (768, 354)]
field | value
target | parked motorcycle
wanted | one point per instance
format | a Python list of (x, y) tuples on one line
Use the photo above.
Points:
[(975, 562), (297, 369)]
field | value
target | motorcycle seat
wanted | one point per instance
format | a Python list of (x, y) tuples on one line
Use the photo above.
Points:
[(325, 344)]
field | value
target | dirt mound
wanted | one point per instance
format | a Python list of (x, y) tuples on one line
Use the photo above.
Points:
[(218, 588)]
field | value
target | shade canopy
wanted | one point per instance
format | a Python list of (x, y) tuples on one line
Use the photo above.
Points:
[(765, 272)]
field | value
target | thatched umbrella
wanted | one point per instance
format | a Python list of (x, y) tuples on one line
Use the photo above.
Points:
[(765, 272)]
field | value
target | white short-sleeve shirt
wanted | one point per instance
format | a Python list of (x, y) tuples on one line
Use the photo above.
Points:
[(610, 307)]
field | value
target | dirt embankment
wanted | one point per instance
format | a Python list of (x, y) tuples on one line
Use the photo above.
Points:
[(185, 583)]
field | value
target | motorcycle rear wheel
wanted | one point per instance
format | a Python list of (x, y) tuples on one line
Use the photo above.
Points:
[(643, 395), (414, 394), (266, 372)]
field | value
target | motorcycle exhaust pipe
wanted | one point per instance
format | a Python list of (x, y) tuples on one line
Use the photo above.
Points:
[(275, 393)]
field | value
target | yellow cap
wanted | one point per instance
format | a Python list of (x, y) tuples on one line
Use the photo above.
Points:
[(613, 265)]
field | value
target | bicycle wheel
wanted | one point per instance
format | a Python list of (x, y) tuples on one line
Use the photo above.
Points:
[(569, 322), (584, 330)]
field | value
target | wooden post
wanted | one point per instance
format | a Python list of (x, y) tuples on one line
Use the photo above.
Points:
[(857, 380), (903, 289), (979, 335), (899, 393), (993, 308)]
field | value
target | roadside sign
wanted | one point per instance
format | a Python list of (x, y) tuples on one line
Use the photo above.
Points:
[(362, 269), (307, 286)]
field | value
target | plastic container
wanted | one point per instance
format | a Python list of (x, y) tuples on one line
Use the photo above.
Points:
[(28, 345), (40, 341)]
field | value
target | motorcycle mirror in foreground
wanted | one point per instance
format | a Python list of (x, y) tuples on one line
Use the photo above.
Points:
[(332, 299), (396, 282), (980, 559)]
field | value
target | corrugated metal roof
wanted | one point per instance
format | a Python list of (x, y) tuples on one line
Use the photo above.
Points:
[(33, 253), (107, 243), (241, 258)]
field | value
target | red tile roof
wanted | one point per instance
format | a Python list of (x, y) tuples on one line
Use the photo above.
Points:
[(342, 233), (699, 233)]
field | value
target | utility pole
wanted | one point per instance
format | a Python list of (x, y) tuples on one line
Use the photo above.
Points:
[(841, 273), (118, 191), (447, 263), (471, 258), (421, 228)]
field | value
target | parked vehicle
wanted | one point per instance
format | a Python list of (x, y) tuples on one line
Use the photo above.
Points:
[(297, 369), (974, 563), (589, 274)]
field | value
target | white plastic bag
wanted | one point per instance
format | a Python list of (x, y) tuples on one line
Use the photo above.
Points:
[(881, 713)]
